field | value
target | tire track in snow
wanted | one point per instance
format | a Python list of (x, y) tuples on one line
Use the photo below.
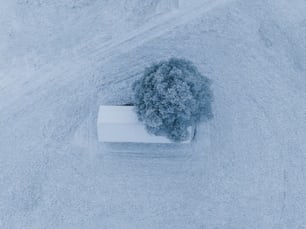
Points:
[(85, 58), (152, 30)]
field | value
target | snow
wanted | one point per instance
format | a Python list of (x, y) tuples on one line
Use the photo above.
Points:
[(61, 59)]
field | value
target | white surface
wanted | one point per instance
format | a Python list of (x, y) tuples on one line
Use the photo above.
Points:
[(61, 59), (118, 124), (117, 114)]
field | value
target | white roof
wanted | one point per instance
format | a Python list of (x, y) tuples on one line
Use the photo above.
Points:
[(120, 124), (117, 114)]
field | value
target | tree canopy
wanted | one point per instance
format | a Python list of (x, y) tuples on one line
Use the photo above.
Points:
[(171, 96)]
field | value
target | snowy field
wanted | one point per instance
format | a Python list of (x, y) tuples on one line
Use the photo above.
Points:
[(61, 59)]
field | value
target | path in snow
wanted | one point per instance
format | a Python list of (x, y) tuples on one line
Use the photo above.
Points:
[(246, 168), (93, 53)]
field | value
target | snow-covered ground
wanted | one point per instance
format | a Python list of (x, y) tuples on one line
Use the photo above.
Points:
[(61, 59)]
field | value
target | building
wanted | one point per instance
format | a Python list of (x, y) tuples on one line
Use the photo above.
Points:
[(120, 124)]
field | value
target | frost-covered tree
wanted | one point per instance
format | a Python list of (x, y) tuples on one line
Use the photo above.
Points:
[(172, 96)]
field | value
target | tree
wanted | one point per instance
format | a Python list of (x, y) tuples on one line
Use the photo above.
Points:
[(172, 96)]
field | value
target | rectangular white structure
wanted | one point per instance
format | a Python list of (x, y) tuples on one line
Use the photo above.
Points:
[(119, 124)]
